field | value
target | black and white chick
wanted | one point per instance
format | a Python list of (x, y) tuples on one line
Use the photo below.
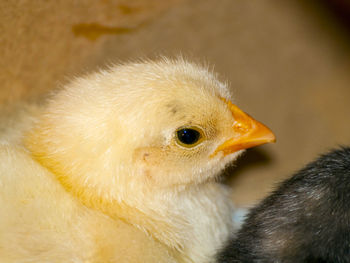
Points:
[(307, 219)]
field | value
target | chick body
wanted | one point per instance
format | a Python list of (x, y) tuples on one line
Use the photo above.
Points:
[(306, 220), (41, 222), (101, 176)]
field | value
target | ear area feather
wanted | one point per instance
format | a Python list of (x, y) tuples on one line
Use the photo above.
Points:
[(149, 160), (148, 156)]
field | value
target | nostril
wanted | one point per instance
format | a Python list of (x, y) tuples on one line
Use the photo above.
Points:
[(240, 127)]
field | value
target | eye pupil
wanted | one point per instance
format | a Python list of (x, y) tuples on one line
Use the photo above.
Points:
[(188, 136)]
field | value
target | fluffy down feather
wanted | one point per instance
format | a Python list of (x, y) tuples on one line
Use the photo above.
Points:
[(306, 220), (101, 176)]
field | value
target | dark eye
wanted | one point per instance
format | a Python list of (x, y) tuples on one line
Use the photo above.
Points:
[(188, 137)]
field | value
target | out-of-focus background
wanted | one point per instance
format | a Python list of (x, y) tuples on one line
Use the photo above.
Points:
[(288, 63)]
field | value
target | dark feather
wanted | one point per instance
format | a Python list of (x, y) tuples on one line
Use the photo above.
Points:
[(307, 219)]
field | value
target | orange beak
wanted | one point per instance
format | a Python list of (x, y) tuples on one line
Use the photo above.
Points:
[(250, 132)]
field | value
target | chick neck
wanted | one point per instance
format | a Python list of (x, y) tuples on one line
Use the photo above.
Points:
[(153, 212), (168, 215)]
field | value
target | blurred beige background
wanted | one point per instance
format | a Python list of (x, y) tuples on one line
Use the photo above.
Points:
[(288, 63)]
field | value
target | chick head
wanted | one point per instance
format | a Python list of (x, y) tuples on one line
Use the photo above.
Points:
[(142, 127)]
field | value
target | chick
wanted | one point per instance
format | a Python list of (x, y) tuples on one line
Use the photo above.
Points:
[(120, 167), (307, 219)]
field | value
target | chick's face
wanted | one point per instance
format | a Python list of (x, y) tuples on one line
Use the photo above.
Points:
[(182, 139), (149, 125), (189, 130)]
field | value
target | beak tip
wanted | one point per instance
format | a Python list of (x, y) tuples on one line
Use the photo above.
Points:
[(272, 139)]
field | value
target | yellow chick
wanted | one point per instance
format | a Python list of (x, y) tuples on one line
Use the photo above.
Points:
[(120, 166)]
